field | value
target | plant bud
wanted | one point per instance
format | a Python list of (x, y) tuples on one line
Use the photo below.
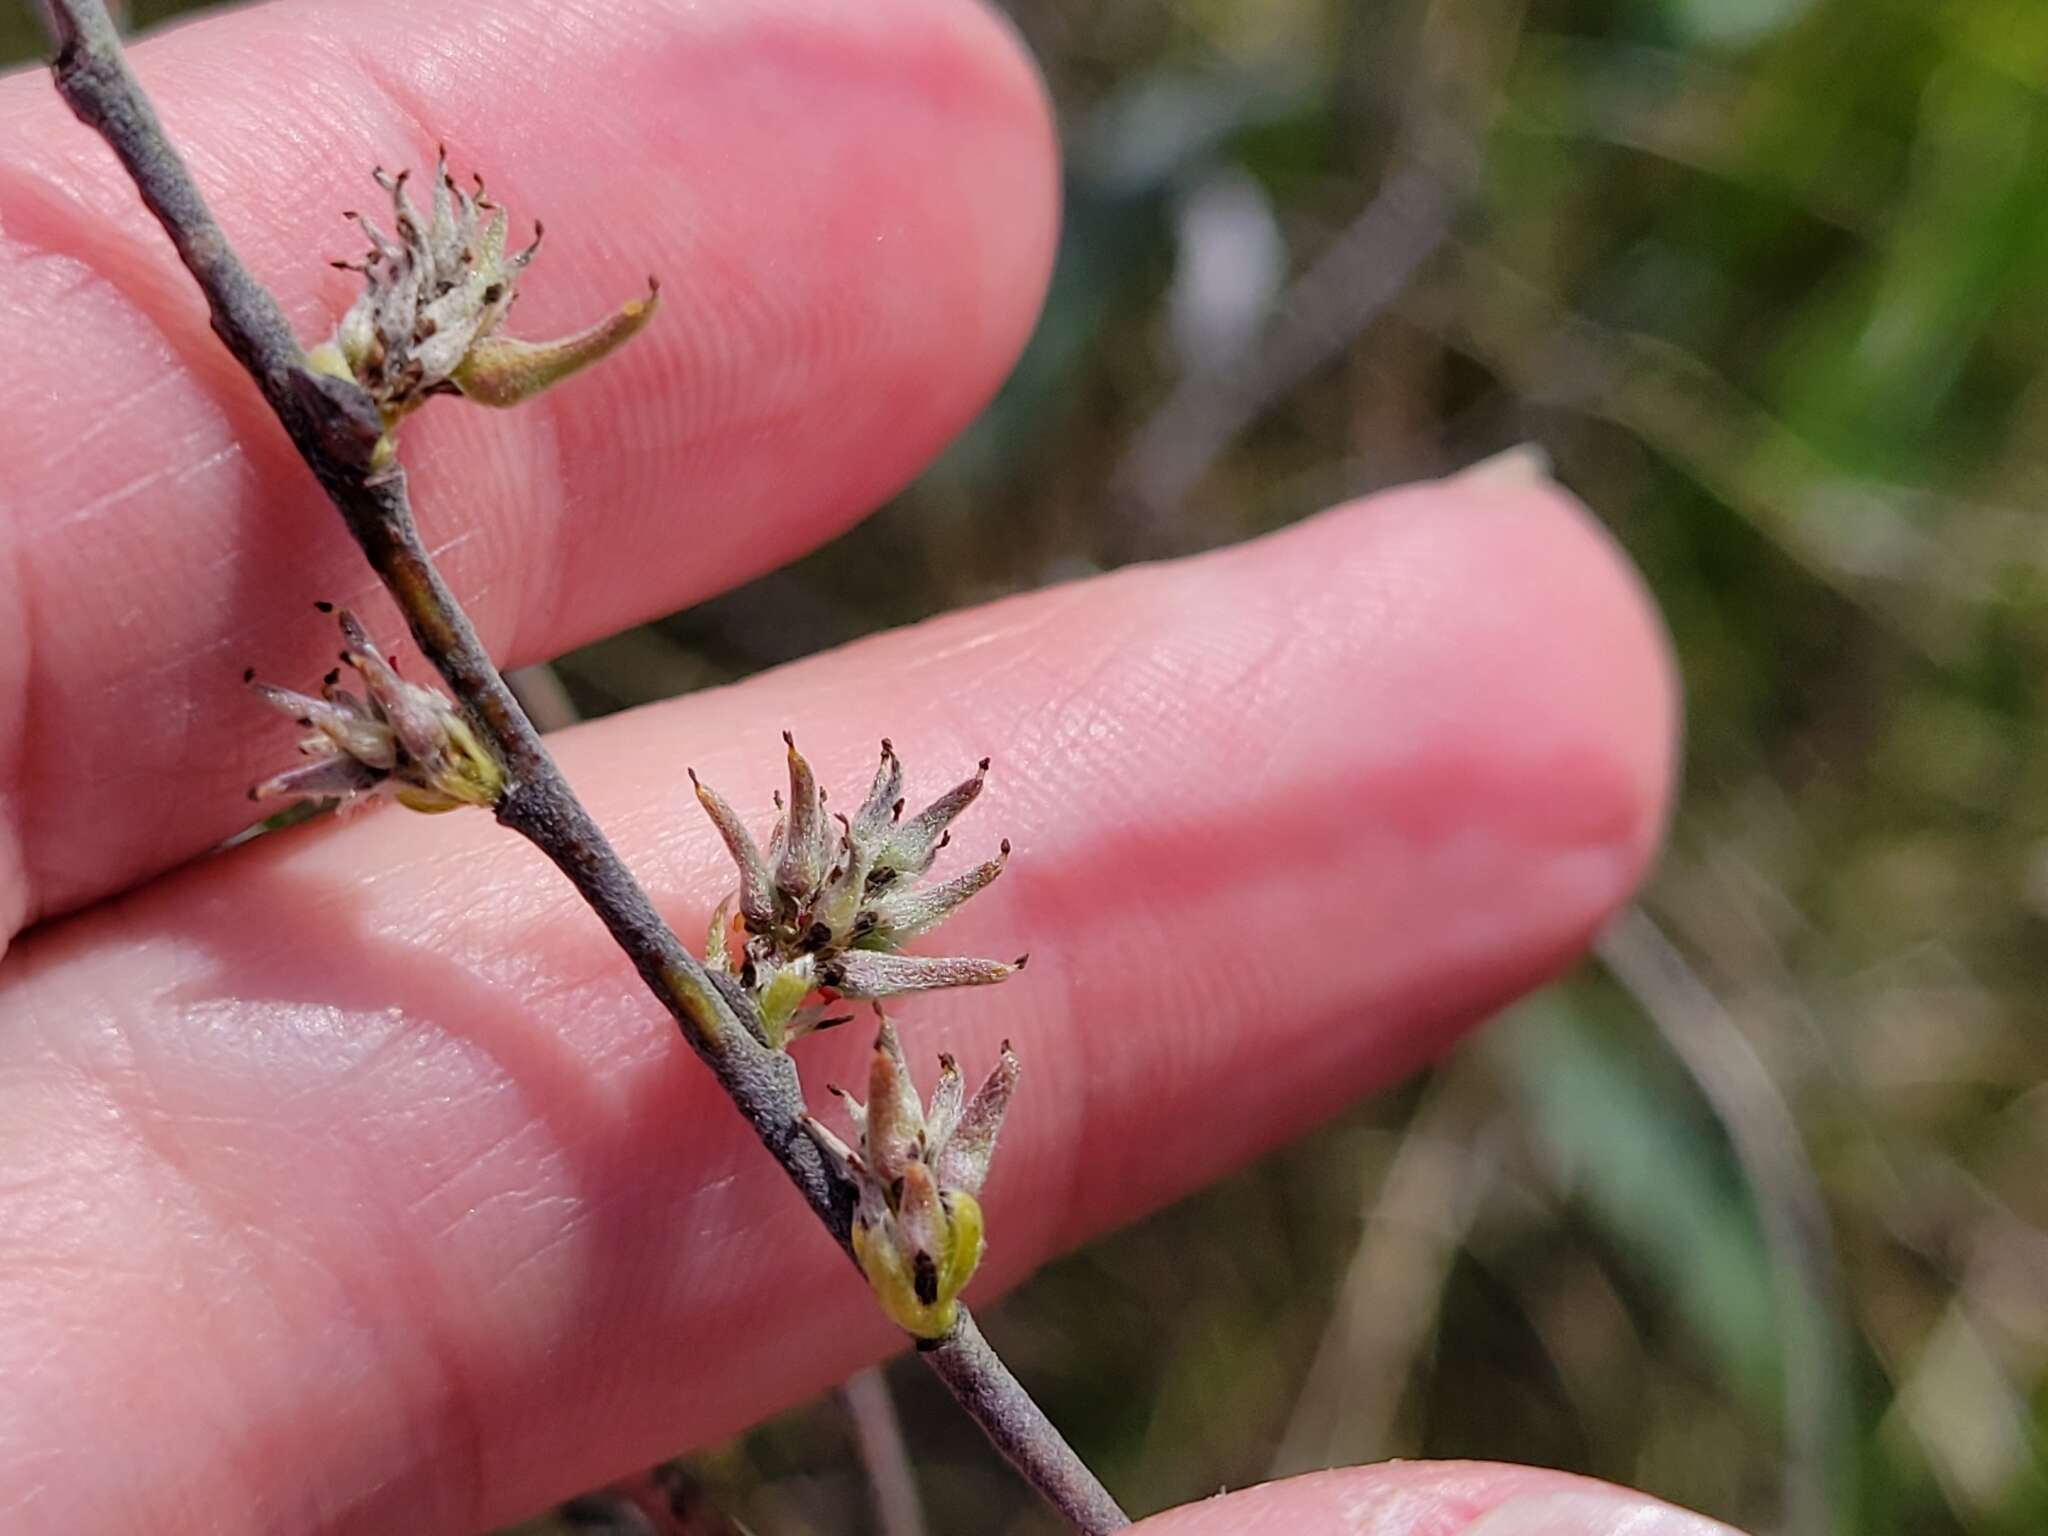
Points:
[(396, 737), (917, 1223)]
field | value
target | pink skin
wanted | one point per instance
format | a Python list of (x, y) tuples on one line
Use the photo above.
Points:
[(852, 208), (349, 1183), (1419, 1498)]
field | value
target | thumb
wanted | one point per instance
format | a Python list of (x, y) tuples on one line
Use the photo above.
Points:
[(1423, 1498)]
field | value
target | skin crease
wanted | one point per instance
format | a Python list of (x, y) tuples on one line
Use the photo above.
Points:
[(348, 1182)]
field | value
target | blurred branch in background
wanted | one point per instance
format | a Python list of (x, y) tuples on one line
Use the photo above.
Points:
[(1364, 270), (1819, 1466), (892, 1481), (1431, 175), (1387, 1307), (544, 696)]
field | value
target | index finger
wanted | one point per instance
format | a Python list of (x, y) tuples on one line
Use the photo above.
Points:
[(851, 208)]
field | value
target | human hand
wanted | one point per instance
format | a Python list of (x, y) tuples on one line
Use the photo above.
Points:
[(348, 1182)]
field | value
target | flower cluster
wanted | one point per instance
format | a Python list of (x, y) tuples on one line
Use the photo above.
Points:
[(917, 1224), (394, 736), (820, 914), (426, 322)]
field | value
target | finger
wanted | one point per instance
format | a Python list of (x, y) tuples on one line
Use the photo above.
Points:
[(851, 208), (1423, 1498), (376, 1107)]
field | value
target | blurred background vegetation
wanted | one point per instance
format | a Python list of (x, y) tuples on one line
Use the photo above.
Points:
[(1751, 1211)]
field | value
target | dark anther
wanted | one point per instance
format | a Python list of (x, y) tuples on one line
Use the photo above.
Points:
[(248, 674), (324, 606)]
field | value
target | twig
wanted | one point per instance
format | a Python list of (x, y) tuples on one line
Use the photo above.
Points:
[(879, 1433), (334, 427)]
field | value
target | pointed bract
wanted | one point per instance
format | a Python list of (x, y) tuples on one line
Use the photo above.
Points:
[(327, 778), (964, 1155), (399, 737), (944, 1112), (895, 1125), (924, 1230), (806, 845), (885, 795), (756, 893), (503, 371), (866, 975), (913, 843), (905, 910)]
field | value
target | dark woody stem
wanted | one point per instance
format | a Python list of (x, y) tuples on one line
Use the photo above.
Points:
[(335, 427)]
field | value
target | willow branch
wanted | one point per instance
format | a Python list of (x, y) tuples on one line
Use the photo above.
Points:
[(334, 426)]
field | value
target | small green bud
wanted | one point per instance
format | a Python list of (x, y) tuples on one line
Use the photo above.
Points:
[(917, 1223)]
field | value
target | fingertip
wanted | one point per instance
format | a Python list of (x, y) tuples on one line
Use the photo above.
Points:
[(1612, 676), (1549, 659), (1432, 1499)]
